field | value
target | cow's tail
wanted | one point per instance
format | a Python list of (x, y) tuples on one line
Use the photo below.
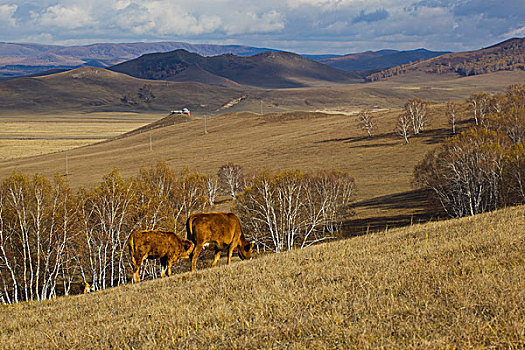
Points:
[(190, 236), (189, 230), (131, 246)]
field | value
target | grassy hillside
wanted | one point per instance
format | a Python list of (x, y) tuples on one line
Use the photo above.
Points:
[(265, 70), (450, 284), (508, 55), (382, 165), (95, 90)]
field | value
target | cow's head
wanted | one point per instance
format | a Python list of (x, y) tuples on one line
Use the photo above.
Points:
[(188, 248), (245, 252)]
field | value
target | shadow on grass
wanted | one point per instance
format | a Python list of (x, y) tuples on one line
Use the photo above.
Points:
[(417, 202), (353, 139), (436, 136)]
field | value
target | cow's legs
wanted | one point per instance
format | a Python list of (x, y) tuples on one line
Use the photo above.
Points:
[(195, 256), (137, 263), (230, 253), (170, 262), (163, 266), (216, 258)]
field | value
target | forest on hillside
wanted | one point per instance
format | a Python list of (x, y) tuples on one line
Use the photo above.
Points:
[(508, 56)]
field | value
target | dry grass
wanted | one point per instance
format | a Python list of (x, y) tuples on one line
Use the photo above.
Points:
[(454, 284), (12, 149), (32, 135), (382, 165)]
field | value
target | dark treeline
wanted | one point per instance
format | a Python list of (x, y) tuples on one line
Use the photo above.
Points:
[(53, 238)]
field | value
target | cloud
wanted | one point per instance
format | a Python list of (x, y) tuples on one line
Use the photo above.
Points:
[(375, 16), (518, 32), (250, 22), (6, 14), (64, 17), (312, 26)]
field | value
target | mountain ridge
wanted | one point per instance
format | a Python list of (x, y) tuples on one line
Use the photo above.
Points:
[(266, 70), (506, 55)]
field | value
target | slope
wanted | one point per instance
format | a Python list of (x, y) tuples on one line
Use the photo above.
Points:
[(97, 89), (508, 55), (370, 60), (18, 59), (266, 70), (450, 284)]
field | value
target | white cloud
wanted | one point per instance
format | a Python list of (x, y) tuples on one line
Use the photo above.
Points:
[(64, 17), (250, 22), (337, 26), (6, 14), (519, 32)]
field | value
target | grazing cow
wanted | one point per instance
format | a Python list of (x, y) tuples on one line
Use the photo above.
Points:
[(220, 231), (88, 288), (157, 244)]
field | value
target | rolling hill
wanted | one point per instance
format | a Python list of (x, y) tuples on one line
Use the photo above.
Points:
[(374, 60), (97, 89), (266, 70), (508, 55), (23, 59), (450, 284), (18, 59)]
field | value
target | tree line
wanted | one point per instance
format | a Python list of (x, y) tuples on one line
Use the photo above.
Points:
[(53, 238), (482, 168)]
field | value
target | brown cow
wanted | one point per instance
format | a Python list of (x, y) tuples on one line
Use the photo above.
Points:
[(157, 244), (219, 230)]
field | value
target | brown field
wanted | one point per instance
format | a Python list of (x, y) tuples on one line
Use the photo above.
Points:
[(24, 135), (382, 165), (280, 139), (457, 284)]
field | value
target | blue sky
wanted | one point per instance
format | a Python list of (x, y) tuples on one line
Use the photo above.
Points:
[(303, 26)]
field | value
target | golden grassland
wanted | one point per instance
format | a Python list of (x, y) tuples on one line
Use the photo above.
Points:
[(449, 284), (382, 165), (32, 135)]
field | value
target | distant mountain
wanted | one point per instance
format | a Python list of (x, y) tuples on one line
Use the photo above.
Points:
[(373, 60), (507, 55), (267, 69), (22, 59), (97, 89)]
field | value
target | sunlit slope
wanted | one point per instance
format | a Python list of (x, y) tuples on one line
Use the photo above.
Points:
[(451, 284)]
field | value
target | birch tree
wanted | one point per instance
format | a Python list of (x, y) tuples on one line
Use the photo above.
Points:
[(465, 173), (34, 238), (231, 178), (403, 126), (291, 209), (479, 103), (416, 112), (107, 213), (366, 121), (451, 112)]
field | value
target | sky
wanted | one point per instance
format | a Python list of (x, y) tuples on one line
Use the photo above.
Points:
[(302, 26)]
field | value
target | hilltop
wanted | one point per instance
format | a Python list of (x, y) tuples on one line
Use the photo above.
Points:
[(450, 284), (97, 89), (265, 70), (508, 55), (22, 59)]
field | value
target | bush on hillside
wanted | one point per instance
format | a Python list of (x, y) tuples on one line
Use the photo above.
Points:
[(291, 209), (483, 168)]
